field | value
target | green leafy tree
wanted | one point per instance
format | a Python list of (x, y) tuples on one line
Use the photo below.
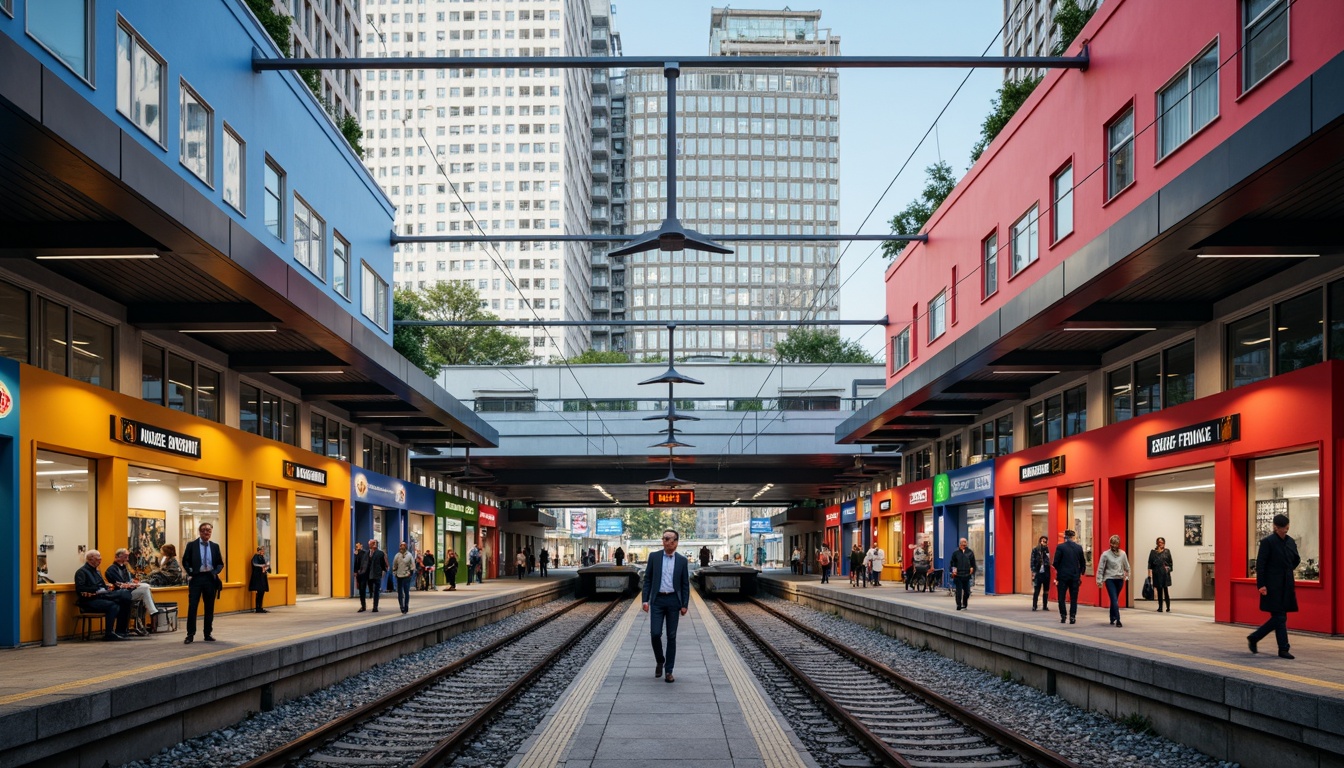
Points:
[(1070, 20), (649, 523), (465, 345), (820, 345), (1010, 97), (593, 356), (937, 186), (655, 358), (411, 341), (274, 22), (748, 358), (354, 135)]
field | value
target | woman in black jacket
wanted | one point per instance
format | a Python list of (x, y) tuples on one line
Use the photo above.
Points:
[(259, 583), (857, 572), (450, 571), (1159, 570)]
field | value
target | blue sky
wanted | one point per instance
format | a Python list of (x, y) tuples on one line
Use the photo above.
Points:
[(883, 112)]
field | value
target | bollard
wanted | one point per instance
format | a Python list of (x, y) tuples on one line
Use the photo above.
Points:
[(48, 618)]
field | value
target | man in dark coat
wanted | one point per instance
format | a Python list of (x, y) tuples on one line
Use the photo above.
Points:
[(1040, 573), (374, 570), (963, 568), (97, 596), (1274, 568), (704, 557), (1070, 565), (361, 567), (619, 556), (204, 563)]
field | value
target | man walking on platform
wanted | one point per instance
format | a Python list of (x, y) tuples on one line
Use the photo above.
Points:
[(667, 590), (203, 563), (1070, 565), (403, 570), (361, 568), (1040, 573), (1274, 567), (377, 566), (544, 561), (963, 568)]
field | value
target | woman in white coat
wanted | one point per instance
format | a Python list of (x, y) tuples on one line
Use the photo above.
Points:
[(874, 560)]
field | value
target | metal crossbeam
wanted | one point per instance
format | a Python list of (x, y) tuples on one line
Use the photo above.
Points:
[(626, 323), (262, 63), (399, 239)]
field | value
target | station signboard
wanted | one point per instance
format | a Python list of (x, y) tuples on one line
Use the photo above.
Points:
[(610, 526), (671, 497), (761, 525)]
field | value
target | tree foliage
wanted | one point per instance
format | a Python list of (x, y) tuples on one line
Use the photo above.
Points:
[(1070, 20), (937, 186), (460, 345), (274, 22), (1010, 97), (747, 358), (649, 523), (593, 356), (410, 341), (820, 345)]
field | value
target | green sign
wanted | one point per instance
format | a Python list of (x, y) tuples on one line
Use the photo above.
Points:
[(942, 489)]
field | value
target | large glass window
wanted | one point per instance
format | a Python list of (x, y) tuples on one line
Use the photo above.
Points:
[(249, 408), (66, 505), (1062, 186), (1264, 39), (1248, 349), (164, 507), (1057, 416), (91, 351), (273, 205), (1335, 313), (207, 393), (140, 95), (151, 373), (1178, 374), (235, 167), (340, 265), (900, 349), (1188, 103), (266, 512), (1003, 434), (1025, 234), (990, 255), (1081, 505), (317, 434), (197, 135), (1120, 394), (1120, 153), (373, 297), (938, 316), (181, 391), (1147, 385), (309, 236), (64, 27), (54, 337), (1287, 485), (1299, 340), (1075, 411), (14, 322)]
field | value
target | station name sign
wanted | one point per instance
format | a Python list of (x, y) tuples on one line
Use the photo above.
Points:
[(160, 439), (305, 474), (671, 497), (1221, 430), (1043, 468)]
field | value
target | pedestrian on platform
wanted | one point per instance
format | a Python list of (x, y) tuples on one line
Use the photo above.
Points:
[(824, 563), (361, 569), (796, 561), (203, 562), (923, 559), (857, 575), (450, 571), (474, 558), (429, 563), (1070, 565), (667, 597), (97, 596), (1113, 571), (619, 555), (544, 561), (962, 564), (1159, 570), (705, 555), (875, 559), (1040, 573), (531, 560), (520, 564), (374, 571), (119, 576), (259, 583), (1274, 568), (403, 570)]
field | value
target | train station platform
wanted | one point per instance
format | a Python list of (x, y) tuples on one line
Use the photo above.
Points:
[(1194, 679), (617, 714), (82, 704)]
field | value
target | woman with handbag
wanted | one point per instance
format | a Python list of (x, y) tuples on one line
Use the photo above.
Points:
[(1159, 570)]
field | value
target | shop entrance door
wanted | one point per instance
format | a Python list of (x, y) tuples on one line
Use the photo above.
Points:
[(312, 561), (1178, 507), (1030, 523)]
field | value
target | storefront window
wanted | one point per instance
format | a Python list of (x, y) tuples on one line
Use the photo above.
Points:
[(66, 514), (1147, 385), (289, 419), (1287, 485), (1178, 381), (13, 322), (1248, 349), (166, 507), (1080, 518), (1298, 337), (265, 514)]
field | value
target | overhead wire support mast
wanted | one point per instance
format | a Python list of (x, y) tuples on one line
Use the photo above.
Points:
[(261, 63)]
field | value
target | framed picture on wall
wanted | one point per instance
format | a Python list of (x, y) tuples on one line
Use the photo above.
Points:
[(147, 534), (1194, 530)]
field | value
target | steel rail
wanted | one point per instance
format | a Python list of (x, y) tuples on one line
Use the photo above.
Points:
[(319, 737), (1004, 737)]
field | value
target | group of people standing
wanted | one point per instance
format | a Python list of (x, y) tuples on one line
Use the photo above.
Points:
[(407, 569)]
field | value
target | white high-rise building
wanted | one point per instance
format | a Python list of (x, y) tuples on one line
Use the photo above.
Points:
[(490, 150), (328, 29), (758, 154), (1029, 30)]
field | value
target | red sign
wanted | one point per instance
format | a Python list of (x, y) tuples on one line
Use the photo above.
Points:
[(832, 516), (671, 497), (488, 517)]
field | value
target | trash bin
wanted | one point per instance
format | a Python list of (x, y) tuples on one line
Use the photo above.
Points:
[(48, 618)]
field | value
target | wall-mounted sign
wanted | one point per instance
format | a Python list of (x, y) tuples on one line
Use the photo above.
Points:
[(942, 489), (578, 524), (832, 517), (160, 439), (610, 526), (1221, 430), (884, 505), (6, 400), (919, 497), (453, 524), (1043, 468), (671, 497), (761, 525), (489, 517), (305, 474)]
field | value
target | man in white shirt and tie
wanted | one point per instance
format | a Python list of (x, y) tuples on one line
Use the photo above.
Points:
[(667, 597), (203, 563)]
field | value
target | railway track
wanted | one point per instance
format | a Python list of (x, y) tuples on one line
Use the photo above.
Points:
[(424, 721), (899, 720)]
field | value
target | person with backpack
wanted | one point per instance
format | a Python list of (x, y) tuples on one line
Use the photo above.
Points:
[(824, 562)]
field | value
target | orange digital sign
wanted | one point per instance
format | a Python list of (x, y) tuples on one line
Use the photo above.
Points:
[(671, 497)]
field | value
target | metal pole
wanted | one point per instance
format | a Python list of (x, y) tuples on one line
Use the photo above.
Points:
[(626, 323), (671, 72), (399, 239)]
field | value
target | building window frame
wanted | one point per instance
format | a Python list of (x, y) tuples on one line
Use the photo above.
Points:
[(1248, 42), (1053, 418), (310, 235), (1061, 200), (1025, 235), (340, 264), (84, 72), (1119, 134), (938, 315), (989, 264), (1145, 384), (128, 88), (900, 350), (373, 296), (1196, 83), (273, 416), (190, 101), (274, 182), (235, 193)]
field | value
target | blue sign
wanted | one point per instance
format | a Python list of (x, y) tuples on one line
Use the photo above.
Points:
[(761, 525), (381, 490), (849, 512), (610, 526), (971, 483)]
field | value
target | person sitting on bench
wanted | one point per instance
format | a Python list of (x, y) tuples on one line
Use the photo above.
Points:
[(95, 596), (119, 576)]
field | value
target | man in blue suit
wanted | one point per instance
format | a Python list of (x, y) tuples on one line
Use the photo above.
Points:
[(204, 563), (667, 589)]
